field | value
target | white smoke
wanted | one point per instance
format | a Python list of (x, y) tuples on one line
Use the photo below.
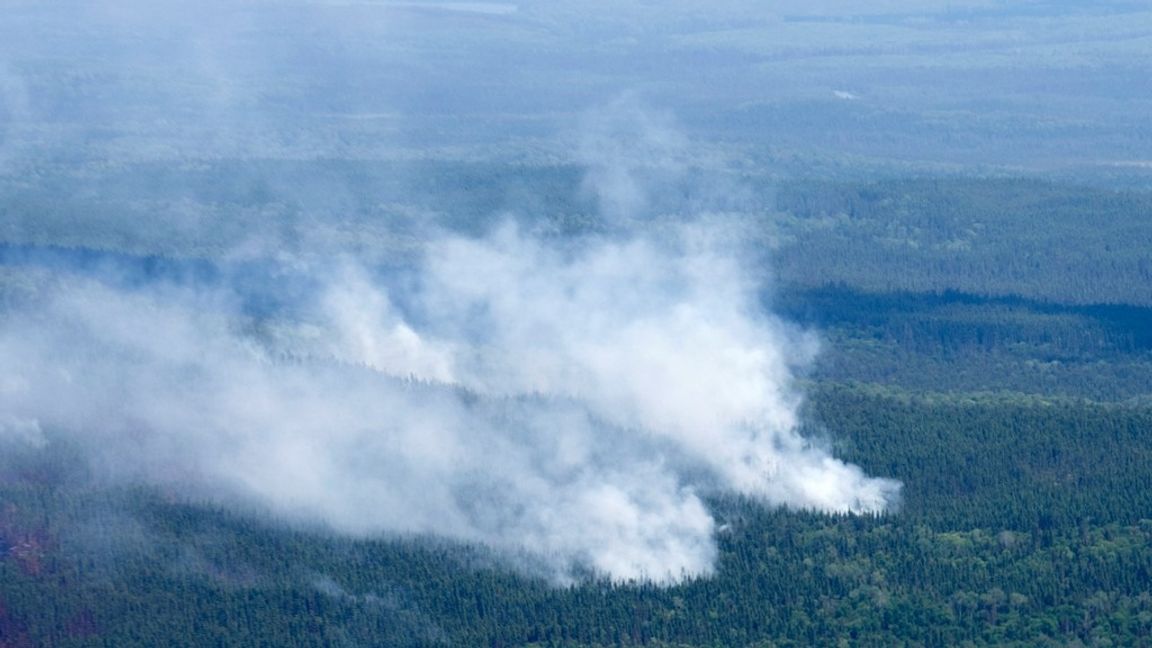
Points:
[(631, 152), (571, 403), (670, 343), (23, 431)]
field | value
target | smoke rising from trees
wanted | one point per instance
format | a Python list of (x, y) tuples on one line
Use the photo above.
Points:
[(572, 401)]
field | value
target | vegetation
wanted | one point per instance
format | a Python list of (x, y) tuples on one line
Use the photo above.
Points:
[(1029, 238), (1002, 371), (1024, 522)]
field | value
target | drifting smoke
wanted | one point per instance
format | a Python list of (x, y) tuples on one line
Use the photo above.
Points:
[(573, 403)]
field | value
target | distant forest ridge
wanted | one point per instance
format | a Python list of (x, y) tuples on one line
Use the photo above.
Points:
[(1040, 240)]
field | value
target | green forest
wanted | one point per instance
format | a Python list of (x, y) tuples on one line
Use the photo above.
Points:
[(575, 323), (1002, 371)]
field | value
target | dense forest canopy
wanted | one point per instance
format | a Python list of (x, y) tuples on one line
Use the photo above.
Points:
[(439, 323)]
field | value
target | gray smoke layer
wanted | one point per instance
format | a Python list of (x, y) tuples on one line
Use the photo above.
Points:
[(568, 404)]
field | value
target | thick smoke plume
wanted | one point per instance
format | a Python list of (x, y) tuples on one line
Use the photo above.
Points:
[(572, 403)]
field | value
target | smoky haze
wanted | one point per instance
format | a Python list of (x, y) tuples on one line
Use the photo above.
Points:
[(573, 400), (969, 82)]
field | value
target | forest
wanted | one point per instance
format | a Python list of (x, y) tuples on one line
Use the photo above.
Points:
[(575, 324), (1013, 407)]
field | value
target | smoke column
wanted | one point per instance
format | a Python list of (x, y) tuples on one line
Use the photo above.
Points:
[(569, 402)]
